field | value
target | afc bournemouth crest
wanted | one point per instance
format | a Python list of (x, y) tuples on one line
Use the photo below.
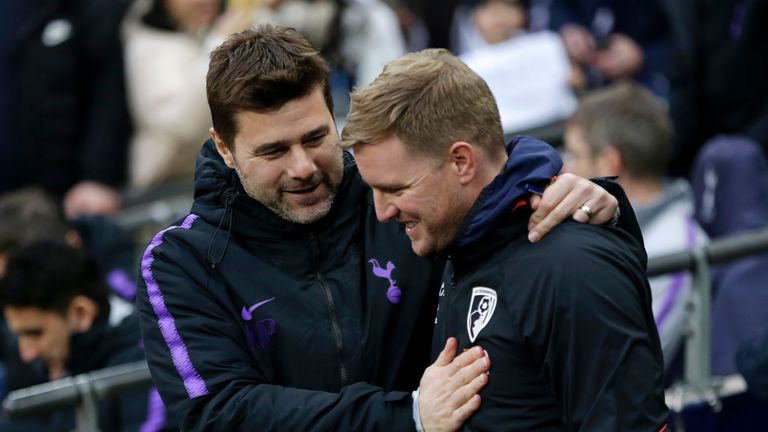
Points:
[(481, 308)]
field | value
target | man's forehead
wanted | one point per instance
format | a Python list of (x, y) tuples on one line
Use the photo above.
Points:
[(23, 317), (286, 124)]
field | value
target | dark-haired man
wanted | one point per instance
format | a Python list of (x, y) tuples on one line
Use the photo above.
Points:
[(56, 302), (280, 303)]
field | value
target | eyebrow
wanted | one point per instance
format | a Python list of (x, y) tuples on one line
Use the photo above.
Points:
[(33, 331), (270, 146)]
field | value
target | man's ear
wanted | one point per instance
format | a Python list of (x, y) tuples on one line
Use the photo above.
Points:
[(82, 313), (222, 148), (463, 160), (610, 162)]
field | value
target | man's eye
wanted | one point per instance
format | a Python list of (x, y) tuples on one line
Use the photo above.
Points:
[(315, 141), (32, 334), (394, 191), (272, 154)]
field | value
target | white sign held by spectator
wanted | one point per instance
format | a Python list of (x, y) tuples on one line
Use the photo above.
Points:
[(528, 76)]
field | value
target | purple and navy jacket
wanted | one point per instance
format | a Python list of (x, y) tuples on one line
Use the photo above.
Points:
[(254, 323)]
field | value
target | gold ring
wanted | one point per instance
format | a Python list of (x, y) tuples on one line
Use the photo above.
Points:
[(587, 211)]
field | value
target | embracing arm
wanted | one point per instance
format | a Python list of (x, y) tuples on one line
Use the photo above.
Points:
[(566, 197), (210, 380)]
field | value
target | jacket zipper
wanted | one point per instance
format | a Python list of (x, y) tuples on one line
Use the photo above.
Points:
[(331, 305)]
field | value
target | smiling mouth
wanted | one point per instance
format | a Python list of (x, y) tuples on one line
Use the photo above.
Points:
[(305, 190), (409, 226)]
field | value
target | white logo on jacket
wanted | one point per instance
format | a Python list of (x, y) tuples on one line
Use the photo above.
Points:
[(481, 307)]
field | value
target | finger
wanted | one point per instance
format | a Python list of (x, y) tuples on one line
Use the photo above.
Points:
[(467, 358), (534, 201), (602, 205), (553, 195), (461, 414), (463, 394), (605, 210), (583, 213), (448, 353), (558, 203), (470, 372)]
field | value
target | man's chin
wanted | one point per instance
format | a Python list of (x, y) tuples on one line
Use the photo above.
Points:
[(306, 214), (422, 249)]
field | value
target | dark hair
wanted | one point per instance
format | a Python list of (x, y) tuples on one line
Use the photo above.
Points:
[(49, 275), (261, 70), (27, 216)]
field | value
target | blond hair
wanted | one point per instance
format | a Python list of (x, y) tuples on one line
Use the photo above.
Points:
[(429, 100)]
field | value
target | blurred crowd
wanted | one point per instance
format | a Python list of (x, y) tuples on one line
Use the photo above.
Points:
[(102, 97)]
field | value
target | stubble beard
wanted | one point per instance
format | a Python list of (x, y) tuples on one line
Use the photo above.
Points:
[(284, 210)]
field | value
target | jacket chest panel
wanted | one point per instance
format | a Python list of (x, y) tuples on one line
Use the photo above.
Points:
[(517, 392)]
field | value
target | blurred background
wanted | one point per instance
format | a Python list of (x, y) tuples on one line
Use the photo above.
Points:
[(103, 111)]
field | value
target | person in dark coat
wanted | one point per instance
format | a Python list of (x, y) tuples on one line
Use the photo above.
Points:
[(72, 121), (56, 302), (566, 322), (280, 303)]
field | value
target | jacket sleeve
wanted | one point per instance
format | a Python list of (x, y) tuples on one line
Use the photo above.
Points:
[(594, 337), (627, 220), (209, 380)]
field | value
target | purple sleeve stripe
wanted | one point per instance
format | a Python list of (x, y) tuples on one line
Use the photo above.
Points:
[(155, 413), (122, 285), (678, 279), (193, 382)]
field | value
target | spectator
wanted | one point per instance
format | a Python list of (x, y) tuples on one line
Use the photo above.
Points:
[(624, 131), (30, 215), (718, 75), (358, 36), (616, 39), (55, 301), (73, 123), (167, 44), (479, 23), (11, 19), (528, 72)]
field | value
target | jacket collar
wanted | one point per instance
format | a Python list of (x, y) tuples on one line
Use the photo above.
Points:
[(530, 162), (94, 348)]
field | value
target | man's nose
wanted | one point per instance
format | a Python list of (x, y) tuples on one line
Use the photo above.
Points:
[(386, 210), (28, 351), (301, 164)]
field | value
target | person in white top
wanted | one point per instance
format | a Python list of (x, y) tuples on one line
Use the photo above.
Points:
[(167, 44), (624, 131)]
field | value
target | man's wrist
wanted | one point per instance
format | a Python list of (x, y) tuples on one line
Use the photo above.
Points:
[(416, 414)]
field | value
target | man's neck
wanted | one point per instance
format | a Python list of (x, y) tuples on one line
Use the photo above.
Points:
[(641, 191)]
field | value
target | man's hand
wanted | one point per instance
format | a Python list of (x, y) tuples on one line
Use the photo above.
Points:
[(448, 389), (570, 196), (622, 59), (579, 43)]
